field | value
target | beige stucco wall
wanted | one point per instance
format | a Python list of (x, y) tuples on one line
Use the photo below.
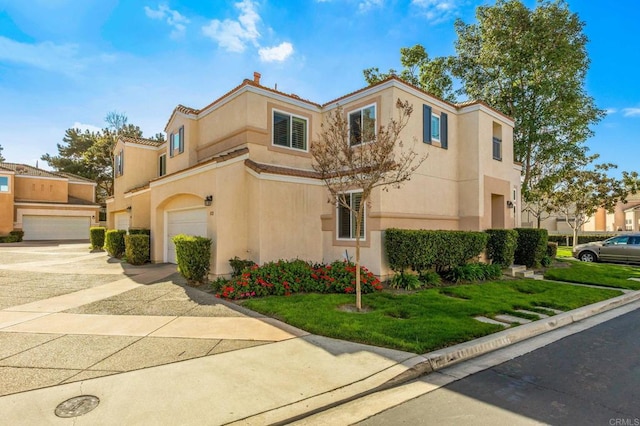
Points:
[(32, 188), (84, 191), (7, 206), (140, 215)]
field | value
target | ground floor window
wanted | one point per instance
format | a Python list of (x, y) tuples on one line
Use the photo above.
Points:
[(347, 217)]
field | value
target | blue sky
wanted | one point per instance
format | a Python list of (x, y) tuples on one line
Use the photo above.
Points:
[(67, 63)]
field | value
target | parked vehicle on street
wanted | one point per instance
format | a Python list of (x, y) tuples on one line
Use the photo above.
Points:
[(622, 248)]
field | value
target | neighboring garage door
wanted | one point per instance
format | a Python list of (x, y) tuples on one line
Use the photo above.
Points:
[(55, 227), (122, 221), (190, 222)]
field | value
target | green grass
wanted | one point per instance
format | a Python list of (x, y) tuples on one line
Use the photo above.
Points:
[(425, 320), (603, 274), (564, 251)]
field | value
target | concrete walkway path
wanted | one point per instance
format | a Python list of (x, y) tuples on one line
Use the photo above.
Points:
[(155, 351)]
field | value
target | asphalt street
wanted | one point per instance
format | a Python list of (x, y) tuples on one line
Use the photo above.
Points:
[(589, 378)]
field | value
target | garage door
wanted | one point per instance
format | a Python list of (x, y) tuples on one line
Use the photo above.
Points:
[(55, 227), (122, 221), (190, 222)]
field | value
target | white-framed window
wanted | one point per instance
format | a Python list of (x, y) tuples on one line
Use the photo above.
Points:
[(119, 163), (346, 218), (162, 165), (289, 130), (435, 127), (176, 142), (4, 183), (362, 125)]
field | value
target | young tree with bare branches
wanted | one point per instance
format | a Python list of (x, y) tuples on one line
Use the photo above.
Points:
[(362, 157)]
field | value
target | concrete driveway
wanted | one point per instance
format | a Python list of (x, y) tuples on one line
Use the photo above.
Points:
[(155, 351)]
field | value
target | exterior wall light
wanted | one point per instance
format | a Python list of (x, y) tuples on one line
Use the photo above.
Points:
[(129, 208), (511, 204), (208, 200)]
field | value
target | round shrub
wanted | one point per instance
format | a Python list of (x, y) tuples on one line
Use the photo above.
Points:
[(137, 249), (194, 257), (114, 242)]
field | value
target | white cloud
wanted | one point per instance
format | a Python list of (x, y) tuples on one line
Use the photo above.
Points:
[(48, 56), (631, 112), (367, 5), (436, 10), (173, 18), (234, 35), (83, 127), (276, 53), (610, 111)]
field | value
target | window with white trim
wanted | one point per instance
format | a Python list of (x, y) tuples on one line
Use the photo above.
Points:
[(162, 165), (119, 163), (347, 217), (176, 142), (435, 127), (4, 183), (362, 125), (289, 131)]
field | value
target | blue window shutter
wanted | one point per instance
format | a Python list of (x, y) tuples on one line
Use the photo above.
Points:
[(444, 131), (426, 124), (181, 132)]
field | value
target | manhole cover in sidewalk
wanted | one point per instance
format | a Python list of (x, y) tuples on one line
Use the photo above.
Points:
[(77, 406)]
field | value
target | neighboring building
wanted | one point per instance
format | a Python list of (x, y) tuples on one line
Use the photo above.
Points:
[(625, 217), (46, 205), (239, 171)]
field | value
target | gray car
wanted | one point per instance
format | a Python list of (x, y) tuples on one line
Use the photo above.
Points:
[(622, 248)]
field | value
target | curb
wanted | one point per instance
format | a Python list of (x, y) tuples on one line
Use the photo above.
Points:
[(440, 359)]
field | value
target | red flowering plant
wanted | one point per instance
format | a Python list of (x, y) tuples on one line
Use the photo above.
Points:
[(284, 278)]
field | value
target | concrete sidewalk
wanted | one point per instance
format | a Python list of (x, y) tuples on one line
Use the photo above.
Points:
[(154, 351)]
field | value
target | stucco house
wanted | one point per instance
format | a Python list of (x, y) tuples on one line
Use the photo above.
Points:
[(46, 205), (239, 171)]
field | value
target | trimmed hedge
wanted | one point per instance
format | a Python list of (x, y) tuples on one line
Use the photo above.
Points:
[(532, 246), (114, 242), (139, 231), (96, 236), (552, 249), (582, 239), (501, 247), (194, 257), (14, 236), (421, 250), (137, 248)]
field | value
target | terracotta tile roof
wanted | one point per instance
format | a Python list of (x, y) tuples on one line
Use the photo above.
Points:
[(276, 170), (26, 170), (137, 189), (140, 141), (217, 159), (75, 178)]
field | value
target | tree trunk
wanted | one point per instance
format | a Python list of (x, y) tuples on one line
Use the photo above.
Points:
[(358, 289)]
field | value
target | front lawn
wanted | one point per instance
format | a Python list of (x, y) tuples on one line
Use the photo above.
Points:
[(603, 274), (564, 251), (425, 320)]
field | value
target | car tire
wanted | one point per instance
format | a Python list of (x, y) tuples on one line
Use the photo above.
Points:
[(588, 256)]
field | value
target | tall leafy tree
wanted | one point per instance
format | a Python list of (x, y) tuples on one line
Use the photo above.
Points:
[(531, 65), (90, 154), (580, 191), (1, 157), (346, 163), (431, 75)]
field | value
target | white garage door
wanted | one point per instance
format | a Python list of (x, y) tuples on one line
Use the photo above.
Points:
[(122, 221), (55, 227), (190, 222)]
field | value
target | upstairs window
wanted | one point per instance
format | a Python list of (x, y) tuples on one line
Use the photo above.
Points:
[(347, 217), (362, 125), (176, 142), (162, 165), (435, 127), (497, 141), (4, 183), (289, 130), (119, 163)]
